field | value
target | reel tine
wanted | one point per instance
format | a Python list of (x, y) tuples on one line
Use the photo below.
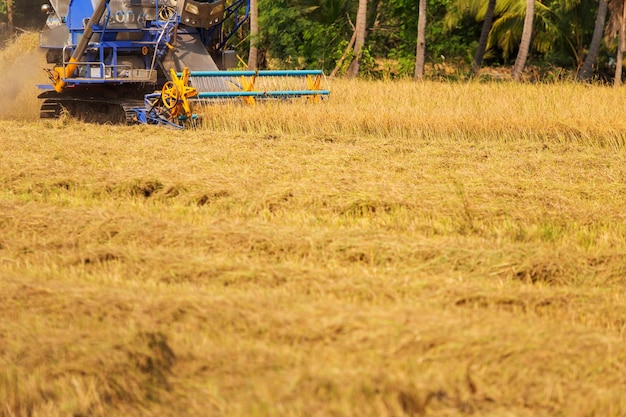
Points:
[(251, 86)]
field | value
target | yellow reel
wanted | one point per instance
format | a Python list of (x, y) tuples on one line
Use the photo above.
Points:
[(175, 94)]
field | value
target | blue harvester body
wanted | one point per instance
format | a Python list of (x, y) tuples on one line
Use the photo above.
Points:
[(152, 61)]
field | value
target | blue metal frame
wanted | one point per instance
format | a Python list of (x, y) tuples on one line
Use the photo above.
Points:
[(149, 114), (106, 46), (209, 35), (261, 94), (266, 73)]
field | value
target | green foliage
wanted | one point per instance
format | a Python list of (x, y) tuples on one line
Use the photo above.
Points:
[(562, 29), (299, 35), (572, 24), (26, 13), (442, 41), (368, 67)]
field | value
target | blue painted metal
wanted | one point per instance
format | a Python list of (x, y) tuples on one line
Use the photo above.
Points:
[(127, 27), (234, 10), (263, 73), (216, 35), (259, 84), (77, 13), (286, 93), (150, 113)]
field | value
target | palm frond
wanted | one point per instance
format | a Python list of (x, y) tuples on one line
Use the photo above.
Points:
[(506, 32)]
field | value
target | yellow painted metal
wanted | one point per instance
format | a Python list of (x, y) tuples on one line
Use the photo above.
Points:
[(60, 73), (314, 84), (248, 85), (170, 95), (176, 92)]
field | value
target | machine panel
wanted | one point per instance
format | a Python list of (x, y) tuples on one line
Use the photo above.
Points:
[(132, 14)]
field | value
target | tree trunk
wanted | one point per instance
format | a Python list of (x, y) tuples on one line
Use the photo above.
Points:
[(484, 37), (587, 69), (372, 13), (361, 22), (10, 17), (524, 47), (420, 51), (345, 54), (619, 60), (253, 61)]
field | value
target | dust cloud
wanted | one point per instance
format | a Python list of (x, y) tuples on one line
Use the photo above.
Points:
[(22, 68)]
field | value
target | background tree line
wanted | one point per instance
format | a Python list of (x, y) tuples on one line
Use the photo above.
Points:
[(454, 38), (21, 14), (433, 38)]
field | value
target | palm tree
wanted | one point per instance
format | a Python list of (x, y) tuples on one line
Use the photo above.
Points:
[(484, 37), (587, 69), (10, 16), (361, 22), (546, 35), (619, 65), (616, 27), (524, 47), (420, 51), (479, 10), (502, 23), (372, 12), (254, 35)]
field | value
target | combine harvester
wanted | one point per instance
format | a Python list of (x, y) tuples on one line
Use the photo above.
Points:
[(153, 61)]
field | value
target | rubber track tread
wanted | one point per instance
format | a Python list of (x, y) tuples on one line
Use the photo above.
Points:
[(52, 108)]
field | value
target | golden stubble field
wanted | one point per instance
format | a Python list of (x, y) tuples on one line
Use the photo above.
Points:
[(402, 249)]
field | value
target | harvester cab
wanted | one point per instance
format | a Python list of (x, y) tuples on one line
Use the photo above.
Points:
[(154, 61)]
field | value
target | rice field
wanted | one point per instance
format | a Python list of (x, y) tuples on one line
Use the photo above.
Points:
[(403, 249)]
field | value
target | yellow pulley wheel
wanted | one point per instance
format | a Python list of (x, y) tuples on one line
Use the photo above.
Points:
[(170, 94), (176, 92)]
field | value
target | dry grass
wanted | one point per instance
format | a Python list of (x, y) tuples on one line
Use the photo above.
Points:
[(403, 249)]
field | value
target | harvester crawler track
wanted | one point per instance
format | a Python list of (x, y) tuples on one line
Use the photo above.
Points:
[(93, 110)]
